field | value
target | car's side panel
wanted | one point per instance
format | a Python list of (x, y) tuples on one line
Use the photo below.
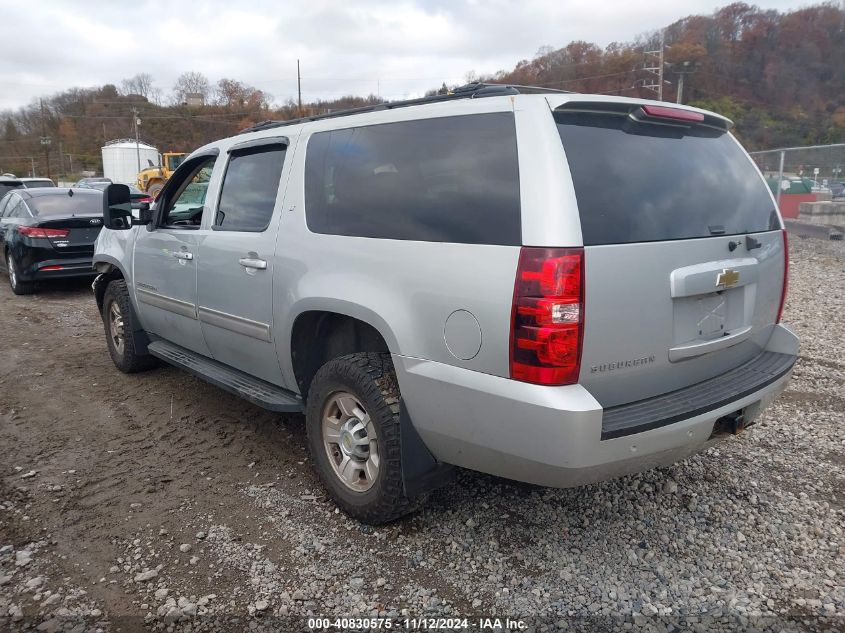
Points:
[(549, 207)]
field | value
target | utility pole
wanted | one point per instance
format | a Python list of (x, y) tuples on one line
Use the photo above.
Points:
[(45, 140), (32, 166), (137, 145), (299, 86), (685, 68), (656, 70)]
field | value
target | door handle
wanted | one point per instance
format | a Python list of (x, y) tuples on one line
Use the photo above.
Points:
[(182, 255), (250, 262)]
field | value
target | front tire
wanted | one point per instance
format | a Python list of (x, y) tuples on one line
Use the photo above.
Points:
[(352, 422), (18, 287), (118, 320)]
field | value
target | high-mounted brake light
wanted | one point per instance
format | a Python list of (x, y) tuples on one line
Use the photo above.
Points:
[(547, 321), (785, 285), (35, 231), (662, 112)]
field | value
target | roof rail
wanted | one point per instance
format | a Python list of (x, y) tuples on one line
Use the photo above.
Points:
[(469, 91)]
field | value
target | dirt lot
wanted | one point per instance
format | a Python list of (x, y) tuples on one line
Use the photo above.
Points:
[(155, 501)]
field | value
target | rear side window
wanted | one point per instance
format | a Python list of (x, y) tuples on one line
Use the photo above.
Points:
[(249, 189), (641, 182), (63, 204), (452, 179)]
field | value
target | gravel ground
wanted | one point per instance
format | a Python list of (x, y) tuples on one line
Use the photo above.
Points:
[(157, 502)]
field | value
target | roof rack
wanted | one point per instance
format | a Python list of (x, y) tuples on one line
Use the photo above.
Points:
[(470, 91)]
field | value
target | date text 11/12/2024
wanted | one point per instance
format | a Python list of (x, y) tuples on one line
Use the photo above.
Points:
[(419, 624)]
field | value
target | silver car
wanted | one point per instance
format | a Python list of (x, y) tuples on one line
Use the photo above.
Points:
[(554, 288)]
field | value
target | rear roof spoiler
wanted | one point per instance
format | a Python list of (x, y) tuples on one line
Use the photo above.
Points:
[(658, 113)]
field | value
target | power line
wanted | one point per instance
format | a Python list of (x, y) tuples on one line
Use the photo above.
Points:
[(656, 70)]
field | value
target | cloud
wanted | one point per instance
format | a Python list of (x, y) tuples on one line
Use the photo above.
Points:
[(394, 48)]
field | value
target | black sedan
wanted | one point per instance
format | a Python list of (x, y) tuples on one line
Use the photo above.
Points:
[(140, 200), (48, 233)]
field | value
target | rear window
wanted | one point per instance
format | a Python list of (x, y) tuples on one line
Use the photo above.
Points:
[(6, 187), (450, 179), (641, 182), (63, 204), (36, 184)]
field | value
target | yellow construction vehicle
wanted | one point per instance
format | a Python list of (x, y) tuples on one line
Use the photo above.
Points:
[(153, 178)]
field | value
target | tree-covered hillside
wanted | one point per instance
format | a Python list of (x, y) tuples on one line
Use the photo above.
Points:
[(779, 76)]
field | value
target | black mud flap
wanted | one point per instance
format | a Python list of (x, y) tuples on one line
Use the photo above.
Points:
[(421, 471)]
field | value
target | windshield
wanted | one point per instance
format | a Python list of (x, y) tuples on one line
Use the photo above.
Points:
[(63, 204), (174, 162), (638, 182)]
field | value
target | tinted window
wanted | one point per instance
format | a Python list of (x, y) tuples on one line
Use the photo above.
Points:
[(5, 186), (3, 202), (16, 209), (639, 182), (249, 189), (35, 184), (63, 204), (452, 179)]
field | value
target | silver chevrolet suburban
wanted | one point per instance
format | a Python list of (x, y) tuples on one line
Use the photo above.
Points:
[(555, 288)]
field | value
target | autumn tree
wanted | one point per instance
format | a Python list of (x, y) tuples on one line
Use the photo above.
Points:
[(140, 84), (191, 83)]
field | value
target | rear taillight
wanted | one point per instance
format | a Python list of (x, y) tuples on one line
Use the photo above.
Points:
[(146, 199), (547, 322), (785, 275), (35, 231)]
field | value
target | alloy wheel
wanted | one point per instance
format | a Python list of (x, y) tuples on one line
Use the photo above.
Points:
[(10, 266), (351, 442), (116, 326)]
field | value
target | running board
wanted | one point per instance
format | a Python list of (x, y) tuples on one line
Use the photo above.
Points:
[(235, 381)]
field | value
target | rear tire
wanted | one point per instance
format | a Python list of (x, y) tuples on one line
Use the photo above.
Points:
[(119, 325), (18, 287), (352, 422), (155, 189)]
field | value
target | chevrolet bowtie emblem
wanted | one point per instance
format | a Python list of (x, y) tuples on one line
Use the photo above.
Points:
[(727, 278)]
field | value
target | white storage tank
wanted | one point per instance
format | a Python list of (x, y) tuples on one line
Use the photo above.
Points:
[(120, 160)]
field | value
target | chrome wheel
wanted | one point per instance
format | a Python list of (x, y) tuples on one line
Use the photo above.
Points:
[(351, 442), (10, 266), (116, 328)]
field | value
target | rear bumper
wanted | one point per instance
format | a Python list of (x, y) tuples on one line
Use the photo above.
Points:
[(552, 436), (69, 268), (33, 268)]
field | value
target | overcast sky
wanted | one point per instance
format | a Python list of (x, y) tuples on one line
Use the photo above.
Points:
[(394, 48)]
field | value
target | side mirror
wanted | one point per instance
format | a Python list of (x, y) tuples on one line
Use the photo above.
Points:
[(117, 209)]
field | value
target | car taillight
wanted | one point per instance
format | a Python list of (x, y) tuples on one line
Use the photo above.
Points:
[(35, 231), (785, 275), (146, 199), (547, 321)]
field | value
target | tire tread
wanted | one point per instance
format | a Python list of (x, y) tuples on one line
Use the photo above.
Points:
[(374, 374), (131, 362)]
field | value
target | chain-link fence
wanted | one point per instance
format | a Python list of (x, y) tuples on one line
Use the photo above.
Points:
[(815, 169)]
